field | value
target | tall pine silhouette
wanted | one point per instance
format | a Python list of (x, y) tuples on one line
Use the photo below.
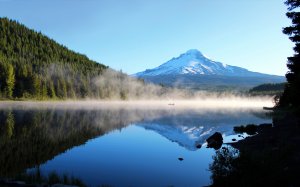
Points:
[(291, 95)]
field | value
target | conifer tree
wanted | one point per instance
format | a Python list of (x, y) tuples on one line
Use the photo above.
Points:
[(291, 95), (10, 81), (35, 66)]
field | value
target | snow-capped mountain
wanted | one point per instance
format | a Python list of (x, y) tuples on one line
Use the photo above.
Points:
[(193, 62), (194, 69), (190, 128), (185, 136)]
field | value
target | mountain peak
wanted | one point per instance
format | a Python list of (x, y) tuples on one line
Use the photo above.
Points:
[(193, 69), (194, 52), (193, 62)]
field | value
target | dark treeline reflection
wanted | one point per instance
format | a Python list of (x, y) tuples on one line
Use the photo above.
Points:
[(36, 177), (31, 137)]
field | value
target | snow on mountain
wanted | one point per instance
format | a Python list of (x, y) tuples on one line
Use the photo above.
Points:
[(190, 128), (193, 62), (185, 136)]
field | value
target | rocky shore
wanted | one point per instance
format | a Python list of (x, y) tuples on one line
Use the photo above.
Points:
[(270, 158)]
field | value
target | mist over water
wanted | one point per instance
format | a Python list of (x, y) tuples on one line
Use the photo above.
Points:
[(125, 137), (207, 103), (114, 85), (131, 143)]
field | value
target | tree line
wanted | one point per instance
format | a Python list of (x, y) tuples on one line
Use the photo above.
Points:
[(268, 89), (33, 66), (290, 97)]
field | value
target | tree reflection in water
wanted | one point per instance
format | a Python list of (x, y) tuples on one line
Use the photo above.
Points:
[(223, 165), (29, 138), (35, 177)]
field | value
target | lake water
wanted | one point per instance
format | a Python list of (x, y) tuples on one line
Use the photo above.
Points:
[(115, 145)]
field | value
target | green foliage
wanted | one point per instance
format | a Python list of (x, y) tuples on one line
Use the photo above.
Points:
[(10, 81), (35, 66), (7, 78), (268, 89)]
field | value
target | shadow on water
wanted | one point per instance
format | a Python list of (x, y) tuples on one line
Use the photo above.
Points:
[(268, 168), (36, 177), (31, 137), (223, 167)]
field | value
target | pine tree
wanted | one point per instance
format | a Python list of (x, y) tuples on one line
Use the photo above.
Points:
[(52, 90), (7, 78), (10, 81), (291, 95), (35, 66), (37, 87)]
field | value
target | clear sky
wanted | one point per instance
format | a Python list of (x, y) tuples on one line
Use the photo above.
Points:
[(134, 35)]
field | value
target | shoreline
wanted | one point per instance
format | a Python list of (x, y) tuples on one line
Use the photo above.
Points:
[(283, 127), (269, 158)]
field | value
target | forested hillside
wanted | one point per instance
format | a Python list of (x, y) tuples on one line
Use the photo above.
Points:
[(33, 66), (268, 89)]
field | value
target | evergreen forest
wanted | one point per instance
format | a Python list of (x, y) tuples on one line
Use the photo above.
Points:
[(33, 66)]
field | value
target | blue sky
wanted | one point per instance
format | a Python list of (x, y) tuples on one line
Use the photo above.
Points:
[(133, 35)]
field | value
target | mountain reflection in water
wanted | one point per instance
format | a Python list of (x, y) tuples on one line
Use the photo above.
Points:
[(39, 137)]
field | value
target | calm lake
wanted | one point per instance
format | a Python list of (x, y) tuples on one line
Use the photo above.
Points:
[(115, 145)]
